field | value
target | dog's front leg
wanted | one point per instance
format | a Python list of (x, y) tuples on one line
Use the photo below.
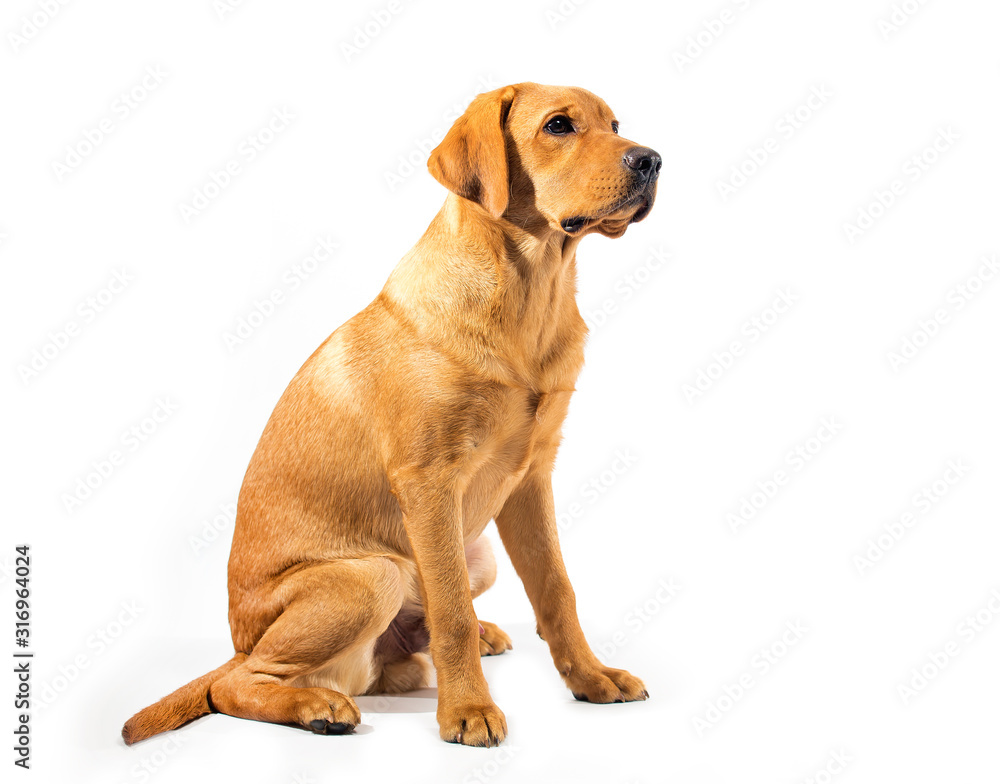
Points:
[(432, 515), (527, 526)]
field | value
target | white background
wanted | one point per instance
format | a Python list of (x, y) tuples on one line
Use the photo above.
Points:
[(145, 538)]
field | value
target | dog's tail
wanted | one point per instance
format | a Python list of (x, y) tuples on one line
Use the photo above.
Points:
[(187, 703)]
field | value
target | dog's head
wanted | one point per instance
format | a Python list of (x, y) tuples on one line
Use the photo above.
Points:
[(538, 154)]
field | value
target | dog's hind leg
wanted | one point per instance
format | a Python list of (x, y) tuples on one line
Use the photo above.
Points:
[(319, 650), (482, 567)]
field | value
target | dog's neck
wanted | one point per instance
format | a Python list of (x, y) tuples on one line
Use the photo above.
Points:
[(499, 294)]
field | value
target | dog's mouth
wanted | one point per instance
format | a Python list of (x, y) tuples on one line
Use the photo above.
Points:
[(573, 225), (644, 208), (642, 201)]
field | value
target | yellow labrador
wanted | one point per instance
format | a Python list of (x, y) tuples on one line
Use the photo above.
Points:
[(359, 538)]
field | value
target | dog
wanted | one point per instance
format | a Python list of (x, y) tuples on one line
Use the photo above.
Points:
[(358, 544)]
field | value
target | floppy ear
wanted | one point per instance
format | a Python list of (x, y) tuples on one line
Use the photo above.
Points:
[(471, 160)]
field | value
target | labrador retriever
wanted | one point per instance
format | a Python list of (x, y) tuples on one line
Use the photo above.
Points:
[(358, 544)]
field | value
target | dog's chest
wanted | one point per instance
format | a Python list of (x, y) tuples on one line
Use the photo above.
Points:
[(525, 439)]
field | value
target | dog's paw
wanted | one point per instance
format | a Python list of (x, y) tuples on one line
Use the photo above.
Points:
[(328, 712), (473, 725), (493, 640), (606, 685)]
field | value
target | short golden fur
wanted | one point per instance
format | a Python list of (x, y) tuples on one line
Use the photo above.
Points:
[(358, 543)]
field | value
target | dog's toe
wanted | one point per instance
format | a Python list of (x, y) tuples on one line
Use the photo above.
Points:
[(493, 640)]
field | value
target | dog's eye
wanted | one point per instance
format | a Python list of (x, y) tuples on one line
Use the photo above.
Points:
[(614, 126), (559, 126)]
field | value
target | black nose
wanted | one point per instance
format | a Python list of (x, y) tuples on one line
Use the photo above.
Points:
[(644, 162)]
